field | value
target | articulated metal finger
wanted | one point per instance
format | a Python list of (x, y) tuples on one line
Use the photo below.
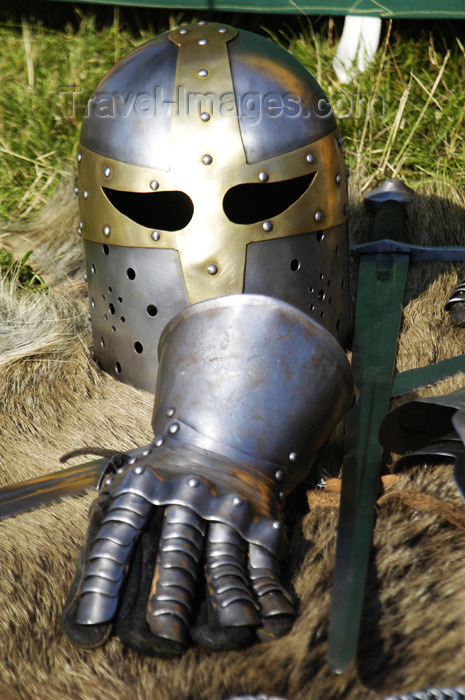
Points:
[(99, 594), (180, 550), (274, 600), (231, 598)]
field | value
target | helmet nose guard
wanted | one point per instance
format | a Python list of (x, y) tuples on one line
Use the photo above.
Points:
[(209, 165)]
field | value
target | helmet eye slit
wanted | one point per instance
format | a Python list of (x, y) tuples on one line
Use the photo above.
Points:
[(252, 202), (167, 210)]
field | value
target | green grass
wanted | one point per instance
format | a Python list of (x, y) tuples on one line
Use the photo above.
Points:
[(402, 117)]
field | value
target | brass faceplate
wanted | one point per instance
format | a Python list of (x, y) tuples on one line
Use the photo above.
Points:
[(208, 159)]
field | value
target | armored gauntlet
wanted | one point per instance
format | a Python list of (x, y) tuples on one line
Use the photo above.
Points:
[(186, 538)]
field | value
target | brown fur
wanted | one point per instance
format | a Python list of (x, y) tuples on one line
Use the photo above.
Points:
[(54, 398)]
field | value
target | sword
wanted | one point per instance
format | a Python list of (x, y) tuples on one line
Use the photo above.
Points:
[(384, 264), (32, 493)]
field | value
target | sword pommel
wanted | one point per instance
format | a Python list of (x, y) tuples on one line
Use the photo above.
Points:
[(389, 191)]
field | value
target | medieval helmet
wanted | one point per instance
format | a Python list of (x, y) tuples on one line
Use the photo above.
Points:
[(209, 164)]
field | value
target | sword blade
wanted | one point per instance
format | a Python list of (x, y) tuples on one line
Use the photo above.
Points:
[(32, 493), (378, 316)]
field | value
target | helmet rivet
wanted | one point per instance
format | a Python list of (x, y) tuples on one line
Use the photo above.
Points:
[(318, 216), (279, 475), (170, 412), (108, 481), (212, 269), (338, 179), (310, 158), (183, 31), (205, 116), (107, 172), (85, 194), (79, 157), (281, 497), (106, 230), (263, 176), (84, 276), (159, 442), (193, 483), (76, 190), (339, 141), (222, 30), (155, 236), (146, 452), (237, 501), (277, 525), (267, 226), (173, 429), (132, 460), (89, 316), (293, 457), (80, 225), (138, 470), (207, 159), (202, 42), (202, 73), (201, 22), (154, 185)]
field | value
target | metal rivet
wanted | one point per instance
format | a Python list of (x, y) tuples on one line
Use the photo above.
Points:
[(207, 159), (89, 316), (293, 456), (170, 412), (202, 42), (263, 176), (279, 475), (281, 497), (132, 460), (237, 501), (106, 230), (202, 73), (85, 194), (205, 117), (212, 269), (318, 216), (84, 276), (108, 481), (339, 141), (277, 525), (183, 31), (79, 157), (76, 190), (309, 158), (107, 172), (138, 470), (193, 483), (338, 179), (154, 185), (267, 226), (159, 442), (155, 236), (201, 22), (81, 225), (146, 452), (173, 429), (222, 30)]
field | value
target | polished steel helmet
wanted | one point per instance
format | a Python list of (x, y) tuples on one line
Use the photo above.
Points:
[(209, 165)]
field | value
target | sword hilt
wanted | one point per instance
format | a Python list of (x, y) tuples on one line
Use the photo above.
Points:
[(388, 204)]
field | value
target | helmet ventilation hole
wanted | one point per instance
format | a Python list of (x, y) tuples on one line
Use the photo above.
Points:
[(105, 249), (320, 236), (294, 265), (138, 347), (152, 310), (111, 308), (131, 273), (117, 368)]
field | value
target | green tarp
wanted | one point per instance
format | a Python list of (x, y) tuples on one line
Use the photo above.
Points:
[(408, 9)]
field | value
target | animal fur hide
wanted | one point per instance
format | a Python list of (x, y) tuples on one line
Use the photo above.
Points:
[(54, 398)]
